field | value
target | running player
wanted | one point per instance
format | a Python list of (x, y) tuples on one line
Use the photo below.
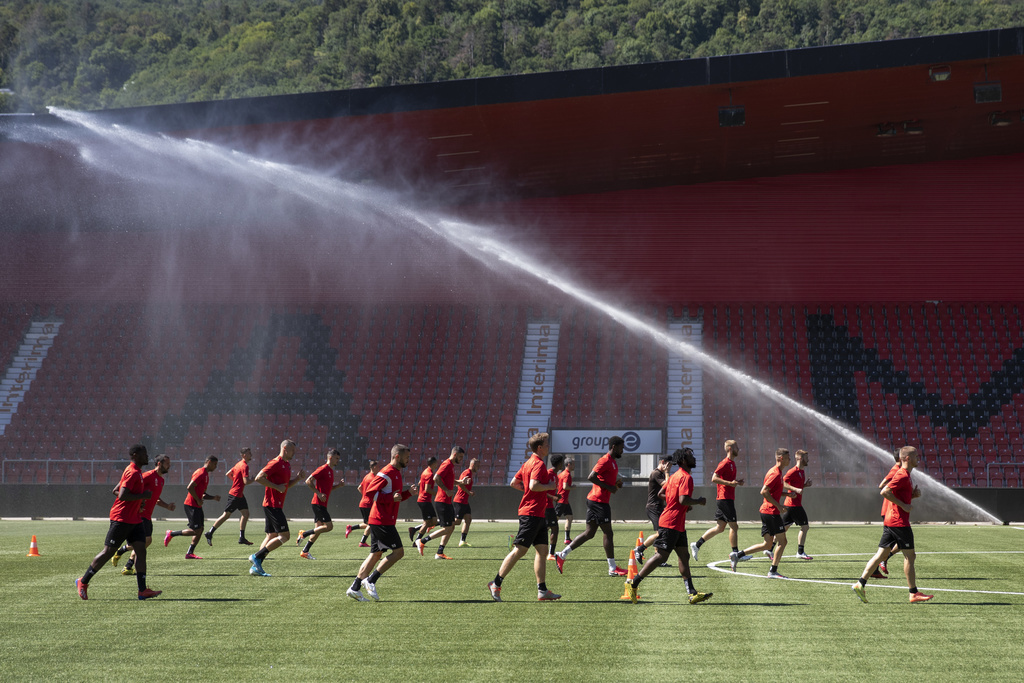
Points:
[(322, 484), (276, 477), (726, 482), (606, 481), (899, 492), (387, 493), (444, 477), (125, 525), (550, 515), (239, 476), (883, 568), (194, 507), (655, 500), (671, 527), (423, 499), (365, 503), (794, 512), (532, 522), (562, 508), (463, 511), (152, 481), (773, 531)]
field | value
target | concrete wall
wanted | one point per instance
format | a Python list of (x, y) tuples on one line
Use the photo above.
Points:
[(837, 505)]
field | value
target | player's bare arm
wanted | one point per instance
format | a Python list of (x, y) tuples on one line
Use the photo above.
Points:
[(888, 495)]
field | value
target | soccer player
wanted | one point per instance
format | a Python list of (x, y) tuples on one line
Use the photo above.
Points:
[(606, 481), (550, 516), (899, 492), (794, 512), (194, 507), (656, 500), (671, 527), (152, 481), (534, 484), (125, 525), (563, 509), (883, 569), (276, 476), (444, 477), (365, 503), (239, 476), (773, 531), (322, 483), (423, 498), (463, 511), (387, 493), (725, 482)]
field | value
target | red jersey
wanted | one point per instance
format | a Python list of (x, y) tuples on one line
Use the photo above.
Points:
[(773, 480), (201, 479), (366, 501), (903, 490), (462, 494), (895, 468), (726, 470), (607, 471), (674, 514), (128, 511), (446, 470), (382, 490), (238, 474), (533, 503), (323, 481), (552, 476), (426, 489), (151, 481), (278, 471), (564, 484), (795, 477)]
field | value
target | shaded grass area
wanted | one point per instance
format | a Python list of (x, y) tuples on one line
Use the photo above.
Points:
[(436, 620)]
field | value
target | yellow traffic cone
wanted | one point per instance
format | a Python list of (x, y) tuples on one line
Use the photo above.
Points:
[(33, 548), (631, 572)]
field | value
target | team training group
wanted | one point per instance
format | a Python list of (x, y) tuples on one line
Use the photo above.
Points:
[(444, 501)]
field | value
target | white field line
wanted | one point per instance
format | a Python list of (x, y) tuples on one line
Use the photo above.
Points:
[(727, 570)]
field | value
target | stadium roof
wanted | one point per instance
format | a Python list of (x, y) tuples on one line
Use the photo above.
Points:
[(670, 123)]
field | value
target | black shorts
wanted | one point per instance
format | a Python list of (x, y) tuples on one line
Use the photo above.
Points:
[(563, 509), (726, 510), (365, 512), (462, 510), (123, 532), (550, 518), (147, 527), (901, 536), (196, 518), (670, 539), (532, 531), (654, 516), (445, 513), (771, 525), (276, 522), (427, 510), (320, 514), (236, 503), (598, 513), (794, 515), (384, 538)]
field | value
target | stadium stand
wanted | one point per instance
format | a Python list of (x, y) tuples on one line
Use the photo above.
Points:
[(202, 379)]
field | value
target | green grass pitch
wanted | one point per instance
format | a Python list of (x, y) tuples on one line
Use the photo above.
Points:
[(436, 620)]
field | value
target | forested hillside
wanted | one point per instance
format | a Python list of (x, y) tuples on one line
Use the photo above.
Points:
[(91, 54)]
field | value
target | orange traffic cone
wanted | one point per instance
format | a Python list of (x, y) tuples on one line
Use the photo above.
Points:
[(640, 540), (631, 572), (33, 548)]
